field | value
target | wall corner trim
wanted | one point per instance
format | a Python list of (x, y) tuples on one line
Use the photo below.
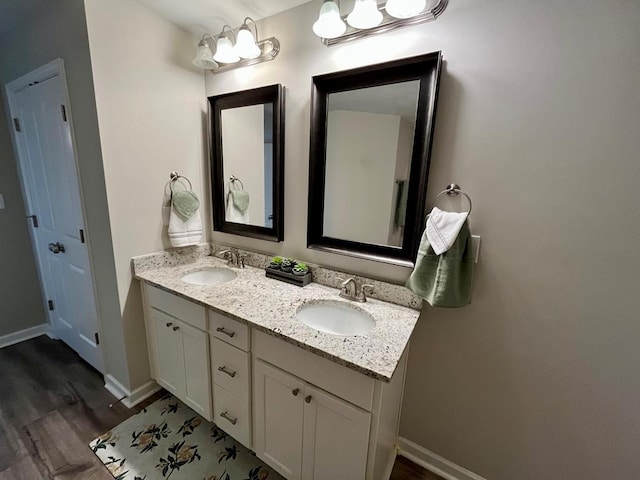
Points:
[(132, 397), (23, 335), (434, 462)]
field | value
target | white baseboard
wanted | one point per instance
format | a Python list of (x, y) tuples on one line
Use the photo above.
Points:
[(131, 398), (141, 393), (22, 335), (434, 462)]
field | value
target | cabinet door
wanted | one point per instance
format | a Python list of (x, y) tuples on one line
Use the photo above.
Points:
[(197, 378), (336, 438), (278, 406), (169, 353)]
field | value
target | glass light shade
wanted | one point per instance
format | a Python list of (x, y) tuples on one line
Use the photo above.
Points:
[(204, 57), (329, 23), (225, 53), (246, 45), (365, 15), (405, 8)]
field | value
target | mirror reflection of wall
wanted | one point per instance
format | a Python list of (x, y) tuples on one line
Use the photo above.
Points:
[(368, 159), (247, 153)]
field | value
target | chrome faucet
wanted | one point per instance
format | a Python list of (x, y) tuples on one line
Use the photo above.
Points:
[(233, 257), (353, 289)]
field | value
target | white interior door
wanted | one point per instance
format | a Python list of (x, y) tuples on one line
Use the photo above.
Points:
[(50, 181)]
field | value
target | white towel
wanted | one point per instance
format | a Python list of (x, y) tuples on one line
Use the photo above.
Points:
[(183, 233), (443, 229), (234, 215)]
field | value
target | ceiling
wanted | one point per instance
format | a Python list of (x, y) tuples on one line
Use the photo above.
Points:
[(199, 16), (11, 12)]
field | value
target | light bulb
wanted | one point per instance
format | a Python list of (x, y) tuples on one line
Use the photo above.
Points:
[(204, 57), (245, 44), (225, 53), (329, 23), (365, 15)]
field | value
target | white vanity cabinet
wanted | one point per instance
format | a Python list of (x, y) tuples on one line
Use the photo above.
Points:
[(306, 416), (178, 349), (231, 370), (305, 432), (317, 420)]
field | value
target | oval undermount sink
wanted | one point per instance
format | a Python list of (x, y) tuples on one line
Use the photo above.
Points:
[(209, 276), (336, 317)]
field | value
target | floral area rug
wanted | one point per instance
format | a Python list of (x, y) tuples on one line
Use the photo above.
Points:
[(169, 440)]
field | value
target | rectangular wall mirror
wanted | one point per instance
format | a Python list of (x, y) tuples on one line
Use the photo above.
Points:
[(247, 162), (371, 135)]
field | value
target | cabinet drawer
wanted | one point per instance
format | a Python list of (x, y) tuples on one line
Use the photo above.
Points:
[(232, 415), (326, 374), (230, 368), (228, 330), (177, 307)]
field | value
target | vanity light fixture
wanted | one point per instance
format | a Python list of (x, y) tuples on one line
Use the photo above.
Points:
[(225, 51), (365, 14), (329, 23), (235, 49), (368, 18), (246, 42)]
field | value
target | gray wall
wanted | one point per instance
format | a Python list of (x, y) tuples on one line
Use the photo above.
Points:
[(20, 294), (57, 28), (538, 120)]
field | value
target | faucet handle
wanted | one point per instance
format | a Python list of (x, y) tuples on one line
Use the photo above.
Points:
[(366, 289)]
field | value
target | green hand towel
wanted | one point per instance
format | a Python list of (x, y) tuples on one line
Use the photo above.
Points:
[(444, 280), (185, 203), (240, 200)]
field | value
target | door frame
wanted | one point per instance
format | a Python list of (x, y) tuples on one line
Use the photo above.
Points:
[(41, 74)]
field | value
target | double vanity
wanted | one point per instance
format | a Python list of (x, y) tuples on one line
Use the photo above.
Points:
[(311, 382)]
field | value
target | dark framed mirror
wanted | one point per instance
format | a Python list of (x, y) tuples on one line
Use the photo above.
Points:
[(247, 162), (371, 135)]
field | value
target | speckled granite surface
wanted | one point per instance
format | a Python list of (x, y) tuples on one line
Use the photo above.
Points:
[(270, 306)]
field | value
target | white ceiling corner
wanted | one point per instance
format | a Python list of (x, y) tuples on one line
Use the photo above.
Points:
[(199, 16)]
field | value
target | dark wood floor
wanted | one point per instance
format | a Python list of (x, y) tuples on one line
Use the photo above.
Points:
[(52, 404)]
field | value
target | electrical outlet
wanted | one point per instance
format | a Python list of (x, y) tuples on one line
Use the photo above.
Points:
[(2, 202)]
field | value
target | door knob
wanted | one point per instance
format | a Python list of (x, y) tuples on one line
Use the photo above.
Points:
[(56, 247)]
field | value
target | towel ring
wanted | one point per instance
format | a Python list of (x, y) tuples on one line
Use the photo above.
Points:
[(452, 190), (175, 177), (236, 179)]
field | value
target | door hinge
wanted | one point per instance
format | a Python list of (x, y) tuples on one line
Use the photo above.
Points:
[(97, 338), (50, 303), (34, 220), (16, 124), (64, 113), (81, 235)]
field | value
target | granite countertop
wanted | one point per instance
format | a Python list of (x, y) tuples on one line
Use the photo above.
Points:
[(270, 305)]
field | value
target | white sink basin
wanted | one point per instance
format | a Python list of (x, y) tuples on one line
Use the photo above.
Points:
[(336, 317), (209, 276)]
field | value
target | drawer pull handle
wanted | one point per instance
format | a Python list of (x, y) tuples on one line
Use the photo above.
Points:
[(296, 392), (226, 416), (226, 332), (223, 369), (169, 324), (308, 399), (175, 329)]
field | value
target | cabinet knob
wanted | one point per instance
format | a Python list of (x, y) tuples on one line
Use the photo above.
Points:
[(226, 332), (226, 416), (224, 369), (175, 329), (169, 324), (296, 392), (308, 399)]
